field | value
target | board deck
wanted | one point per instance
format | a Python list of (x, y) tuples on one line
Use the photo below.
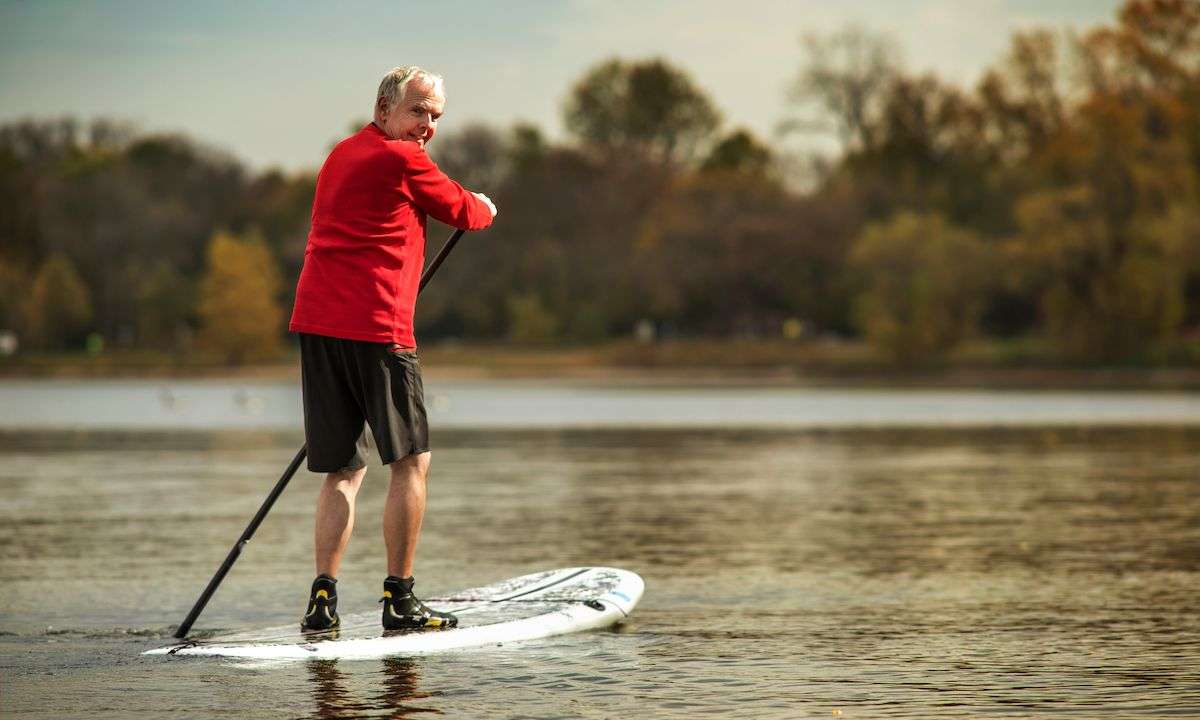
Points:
[(529, 607)]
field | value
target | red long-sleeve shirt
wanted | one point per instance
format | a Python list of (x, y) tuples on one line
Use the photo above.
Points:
[(366, 248)]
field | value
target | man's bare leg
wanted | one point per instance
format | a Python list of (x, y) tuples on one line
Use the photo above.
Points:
[(335, 518), (404, 511), (402, 516)]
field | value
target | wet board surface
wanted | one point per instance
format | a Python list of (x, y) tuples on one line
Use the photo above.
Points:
[(539, 605)]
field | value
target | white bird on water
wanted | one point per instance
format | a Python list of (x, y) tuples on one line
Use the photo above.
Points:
[(250, 404), (172, 402)]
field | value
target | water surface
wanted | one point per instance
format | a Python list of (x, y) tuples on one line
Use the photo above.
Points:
[(557, 404), (791, 572)]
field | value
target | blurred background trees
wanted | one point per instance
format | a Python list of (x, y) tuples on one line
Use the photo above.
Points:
[(1058, 199), (647, 109), (239, 313), (60, 308), (924, 282)]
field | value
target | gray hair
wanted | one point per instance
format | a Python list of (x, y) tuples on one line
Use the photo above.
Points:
[(396, 81)]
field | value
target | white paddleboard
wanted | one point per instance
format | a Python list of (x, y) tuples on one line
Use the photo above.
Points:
[(529, 607)]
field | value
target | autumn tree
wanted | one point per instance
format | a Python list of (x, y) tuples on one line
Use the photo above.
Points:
[(740, 154), (14, 290), (530, 321), (570, 220), (1105, 235), (736, 254), (59, 307), (1026, 98), (166, 306), (119, 207), (279, 205), (646, 108), (924, 283), (240, 317), (841, 85)]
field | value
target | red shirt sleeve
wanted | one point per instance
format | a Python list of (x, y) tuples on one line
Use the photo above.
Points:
[(439, 196)]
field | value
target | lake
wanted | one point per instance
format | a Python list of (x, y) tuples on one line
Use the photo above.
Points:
[(807, 552)]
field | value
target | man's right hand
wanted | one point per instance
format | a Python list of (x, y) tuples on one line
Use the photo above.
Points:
[(487, 201)]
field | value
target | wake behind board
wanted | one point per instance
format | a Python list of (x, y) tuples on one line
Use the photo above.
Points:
[(529, 607)]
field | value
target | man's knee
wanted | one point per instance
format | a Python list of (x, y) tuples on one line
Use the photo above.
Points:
[(416, 464), (346, 480)]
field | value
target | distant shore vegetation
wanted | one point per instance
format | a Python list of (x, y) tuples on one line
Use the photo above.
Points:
[(1055, 204)]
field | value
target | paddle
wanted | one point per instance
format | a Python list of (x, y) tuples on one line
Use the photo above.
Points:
[(276, 491)]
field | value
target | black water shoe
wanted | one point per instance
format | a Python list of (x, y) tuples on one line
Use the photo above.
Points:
[(322, 606), (403, 611)]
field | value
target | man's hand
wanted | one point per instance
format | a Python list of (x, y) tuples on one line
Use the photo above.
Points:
[(487, 201)]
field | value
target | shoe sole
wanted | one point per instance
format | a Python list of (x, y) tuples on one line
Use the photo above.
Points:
[(409, 622)]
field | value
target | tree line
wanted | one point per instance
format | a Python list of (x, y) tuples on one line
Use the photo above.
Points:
[(1056, 199)]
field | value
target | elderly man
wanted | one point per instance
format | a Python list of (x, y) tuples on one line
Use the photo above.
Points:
[(354, 313)]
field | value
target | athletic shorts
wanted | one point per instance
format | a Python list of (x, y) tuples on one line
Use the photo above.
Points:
[(356, 391)]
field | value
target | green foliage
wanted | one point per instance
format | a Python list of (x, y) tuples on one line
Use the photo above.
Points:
[(240, 317), (1110, 291), (59, 308), (566, 232), (648, 108), (14, 290), (739, 153), (166, 303), (728, 254), (18, 208), (923, 285), (529, 320), (526, 148), (280, 206)]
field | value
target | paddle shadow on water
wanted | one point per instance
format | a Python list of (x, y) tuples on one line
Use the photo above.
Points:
[(400, 687)]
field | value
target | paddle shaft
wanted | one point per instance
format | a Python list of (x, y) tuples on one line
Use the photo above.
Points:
[(276, 491)]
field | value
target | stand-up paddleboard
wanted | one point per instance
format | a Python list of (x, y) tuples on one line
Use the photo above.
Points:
[(529, 607)]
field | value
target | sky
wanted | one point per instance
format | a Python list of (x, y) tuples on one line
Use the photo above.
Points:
[(275, 83)]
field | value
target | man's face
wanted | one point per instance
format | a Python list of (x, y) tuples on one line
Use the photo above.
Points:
[(415, 117)]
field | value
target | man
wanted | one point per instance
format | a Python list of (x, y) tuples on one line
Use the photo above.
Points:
[(354, 313)]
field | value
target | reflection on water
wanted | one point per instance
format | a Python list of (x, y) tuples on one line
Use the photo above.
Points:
[(397, 697), (400, 690), (329, 693), (790, 573)]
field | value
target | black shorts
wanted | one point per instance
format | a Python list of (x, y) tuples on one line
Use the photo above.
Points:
[(354, 391)]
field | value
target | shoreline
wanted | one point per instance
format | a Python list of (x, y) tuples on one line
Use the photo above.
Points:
[(751, 363)]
